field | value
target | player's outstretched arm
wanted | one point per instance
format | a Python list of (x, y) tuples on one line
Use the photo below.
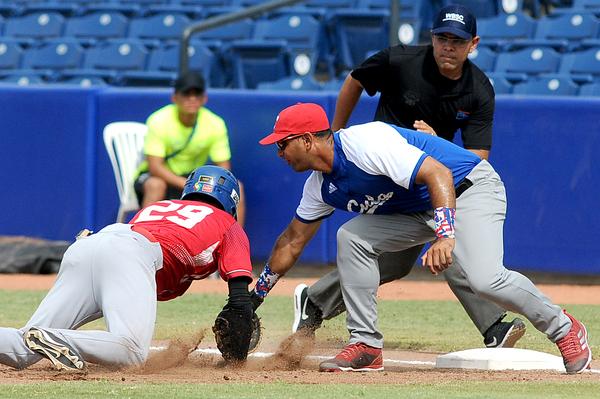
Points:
[(287, 250)]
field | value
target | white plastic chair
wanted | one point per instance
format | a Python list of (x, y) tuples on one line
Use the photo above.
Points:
[(124, 143)]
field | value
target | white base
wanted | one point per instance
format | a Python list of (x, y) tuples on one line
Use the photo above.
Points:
[(500, 359)]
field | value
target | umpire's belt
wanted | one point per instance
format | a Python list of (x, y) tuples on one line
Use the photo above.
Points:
[(462, 186), (140, 230)]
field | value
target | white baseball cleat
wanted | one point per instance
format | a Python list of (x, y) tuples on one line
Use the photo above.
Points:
[(61, 354)]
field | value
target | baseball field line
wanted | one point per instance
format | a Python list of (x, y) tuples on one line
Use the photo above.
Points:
[(212, 351)]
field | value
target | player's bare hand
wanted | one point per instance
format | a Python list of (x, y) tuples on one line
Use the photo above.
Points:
[(439, 256), (422, 126)]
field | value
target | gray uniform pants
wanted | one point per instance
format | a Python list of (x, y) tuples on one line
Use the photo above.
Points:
[(480, 214), (326, 293), (111, 274)]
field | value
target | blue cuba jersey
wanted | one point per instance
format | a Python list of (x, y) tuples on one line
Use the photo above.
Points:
[(374, 170)]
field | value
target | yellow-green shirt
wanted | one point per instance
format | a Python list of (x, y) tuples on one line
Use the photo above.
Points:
[(166, 134)]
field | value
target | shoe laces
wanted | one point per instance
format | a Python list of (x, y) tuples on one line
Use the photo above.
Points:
[(570, 345), (352, 351)]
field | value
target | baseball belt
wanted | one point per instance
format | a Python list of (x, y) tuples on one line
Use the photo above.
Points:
[(462, 186)]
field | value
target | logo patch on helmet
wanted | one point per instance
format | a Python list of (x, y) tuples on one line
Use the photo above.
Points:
[(204, 183), (235, 197)]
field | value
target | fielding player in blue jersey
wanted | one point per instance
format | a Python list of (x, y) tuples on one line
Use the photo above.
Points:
[(408, 188)]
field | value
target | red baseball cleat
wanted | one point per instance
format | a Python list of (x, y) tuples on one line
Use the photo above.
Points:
[(355, 357), (574, 348)]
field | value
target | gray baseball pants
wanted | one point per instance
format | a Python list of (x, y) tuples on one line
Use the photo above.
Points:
[(111, 274), (480, 214), (326, 293)]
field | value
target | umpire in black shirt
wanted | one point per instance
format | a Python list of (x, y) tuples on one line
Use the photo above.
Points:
[(437, 90)]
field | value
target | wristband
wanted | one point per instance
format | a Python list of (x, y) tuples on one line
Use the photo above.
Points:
[(444, 221), (265, 282)]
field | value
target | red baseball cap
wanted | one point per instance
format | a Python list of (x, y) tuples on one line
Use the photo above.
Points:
[(297, 119)]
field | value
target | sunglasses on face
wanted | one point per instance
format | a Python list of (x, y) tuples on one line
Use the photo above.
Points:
[(192, 93), (282, 144)]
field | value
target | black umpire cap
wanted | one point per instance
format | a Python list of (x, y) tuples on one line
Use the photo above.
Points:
[(190, 80), (457, 20)]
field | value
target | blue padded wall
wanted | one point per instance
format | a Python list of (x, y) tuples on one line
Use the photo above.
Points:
[(545, 151), (46, 162), (57, 178)]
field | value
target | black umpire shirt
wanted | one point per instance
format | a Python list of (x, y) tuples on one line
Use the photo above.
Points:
[(412, 88)]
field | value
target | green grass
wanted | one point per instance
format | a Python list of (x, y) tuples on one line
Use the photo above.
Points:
[(278, 390), (416, 325)]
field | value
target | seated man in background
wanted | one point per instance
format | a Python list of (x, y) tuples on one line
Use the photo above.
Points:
[(181, 137)]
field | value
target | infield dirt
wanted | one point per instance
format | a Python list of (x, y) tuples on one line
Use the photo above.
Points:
[(290, 364)]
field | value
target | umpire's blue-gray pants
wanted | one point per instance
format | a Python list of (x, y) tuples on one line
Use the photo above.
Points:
[(480, 214)]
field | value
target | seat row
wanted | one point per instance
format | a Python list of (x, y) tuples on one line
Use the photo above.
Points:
[(546, 84), (551, 84), (564, 31), (581, 66), (297, 39), (195, 8), (541, 85)]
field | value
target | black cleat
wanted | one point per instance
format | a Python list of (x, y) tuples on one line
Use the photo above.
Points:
[(504, 334), (307, 316)]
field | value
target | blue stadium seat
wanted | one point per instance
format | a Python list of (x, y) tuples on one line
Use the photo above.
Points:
[(590, 89), (117, 54), (41, 25), (531, 61), (532, 7), (130, 10), (109, 58), (53, 55), (582, 66), (208, 3), (65, 8), (547, 85), (479, 8), (226, 33), (331, 4), (502, 29), (97, 26), (357, 33), (159, 26), (189, 10), (588, 5), (163, 66), (409, 31), (292, 83), (317, 13), (303, 35), (573, 27), (419, 13), (500, 83), (246, 3), (253, 62), (484, 58), (84, 81), (11, 53), (22, 79), (210, 12)]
